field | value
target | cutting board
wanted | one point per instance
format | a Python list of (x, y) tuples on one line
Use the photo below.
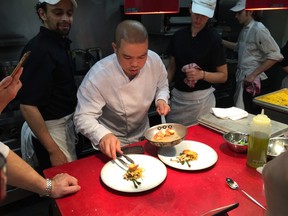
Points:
[(242, 125)]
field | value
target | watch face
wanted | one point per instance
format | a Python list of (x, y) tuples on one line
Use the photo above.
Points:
[(3, 178)]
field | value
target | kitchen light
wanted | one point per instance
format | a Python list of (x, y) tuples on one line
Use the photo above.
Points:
[(266, 4), (151, 6)]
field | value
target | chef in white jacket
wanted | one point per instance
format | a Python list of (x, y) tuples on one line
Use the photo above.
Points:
[(117, 92), (257, 52)]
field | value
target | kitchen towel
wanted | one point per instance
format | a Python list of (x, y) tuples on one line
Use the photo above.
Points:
[(255, 87), (191, 84), (232, 113)]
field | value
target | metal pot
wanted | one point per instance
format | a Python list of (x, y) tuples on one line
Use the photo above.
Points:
[(181, 130)]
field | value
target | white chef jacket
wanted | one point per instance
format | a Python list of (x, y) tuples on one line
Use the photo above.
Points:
[(108, 102), (255, 45), (4, 149)]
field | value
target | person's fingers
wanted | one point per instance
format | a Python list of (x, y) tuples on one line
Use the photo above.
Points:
[(5, 82), (18, 74)]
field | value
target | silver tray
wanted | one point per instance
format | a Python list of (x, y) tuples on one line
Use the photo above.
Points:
[(279, 108)]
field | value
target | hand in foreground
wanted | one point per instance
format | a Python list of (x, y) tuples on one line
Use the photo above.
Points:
[(64, 184), (109, 145), (162, 107), (8, 89)]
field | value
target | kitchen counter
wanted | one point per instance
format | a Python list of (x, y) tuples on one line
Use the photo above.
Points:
[(182, 192)]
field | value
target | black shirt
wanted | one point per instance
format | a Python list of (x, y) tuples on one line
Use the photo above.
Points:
[(47, 78), (206, 50), (284, 51)]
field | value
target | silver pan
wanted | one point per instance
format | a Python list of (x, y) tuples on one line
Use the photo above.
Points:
[(181, 130)]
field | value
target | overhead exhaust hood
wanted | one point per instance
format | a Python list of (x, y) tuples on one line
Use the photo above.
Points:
[(151, 6), (266, 4)]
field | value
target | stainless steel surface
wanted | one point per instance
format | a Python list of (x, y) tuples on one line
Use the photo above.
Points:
[(123, 162), (226, 125), (127, 157), (237, 141), (276, 146), (163, 119), (181, 130), (233, 185), (279, 108)]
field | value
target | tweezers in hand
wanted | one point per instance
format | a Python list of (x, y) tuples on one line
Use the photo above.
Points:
[(125, 156)]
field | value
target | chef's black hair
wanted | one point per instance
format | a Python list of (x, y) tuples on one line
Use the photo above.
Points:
[(39, 5)]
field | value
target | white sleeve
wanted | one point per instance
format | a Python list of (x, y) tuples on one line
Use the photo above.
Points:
[(88, 110), (4, 149)]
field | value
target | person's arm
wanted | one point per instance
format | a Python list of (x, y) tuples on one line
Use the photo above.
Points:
[(8, 89), (285, 69), (220, 76), (35, 121), (20, 174), (270, 50), (229, 44), (263, 67)]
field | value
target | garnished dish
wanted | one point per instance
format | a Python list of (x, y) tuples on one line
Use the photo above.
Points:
[(198, 155), (165, 135), (153, 173), (134, 173), (186, 156)]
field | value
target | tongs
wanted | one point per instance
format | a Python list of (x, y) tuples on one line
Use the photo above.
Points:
[(126, 157)]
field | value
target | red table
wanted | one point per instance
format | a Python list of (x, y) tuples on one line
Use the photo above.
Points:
[(182, 192)]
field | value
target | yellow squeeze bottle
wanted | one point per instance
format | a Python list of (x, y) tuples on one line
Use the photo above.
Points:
[(258, 140)]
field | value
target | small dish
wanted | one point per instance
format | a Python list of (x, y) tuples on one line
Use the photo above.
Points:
[(276, 146), (237, 141)]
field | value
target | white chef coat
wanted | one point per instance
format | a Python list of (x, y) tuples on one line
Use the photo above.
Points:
[(108, 102), (255, 45), (4, 149)]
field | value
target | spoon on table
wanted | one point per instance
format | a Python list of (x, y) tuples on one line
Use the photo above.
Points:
[(232, 184)]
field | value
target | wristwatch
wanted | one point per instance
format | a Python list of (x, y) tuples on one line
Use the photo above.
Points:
[(48, 189)]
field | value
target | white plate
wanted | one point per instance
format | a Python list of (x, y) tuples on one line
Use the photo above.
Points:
[(154, 174), (206, 155)]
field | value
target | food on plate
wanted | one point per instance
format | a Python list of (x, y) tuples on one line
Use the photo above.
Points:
[(134, 173), (186, 156), (165, 135), (277, 98)]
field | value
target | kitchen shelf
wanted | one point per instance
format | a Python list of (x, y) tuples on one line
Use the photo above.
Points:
[(12, 40)]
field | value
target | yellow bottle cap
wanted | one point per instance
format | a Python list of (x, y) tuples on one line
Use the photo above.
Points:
[(261, 119)]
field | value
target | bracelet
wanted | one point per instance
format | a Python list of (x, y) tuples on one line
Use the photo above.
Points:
[(203, 75), (48, 189)]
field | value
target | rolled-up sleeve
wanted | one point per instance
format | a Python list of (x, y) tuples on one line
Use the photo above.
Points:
[(268, 45), (4, 149)]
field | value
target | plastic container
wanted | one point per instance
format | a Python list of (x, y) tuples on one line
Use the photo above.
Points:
[(258, 140)]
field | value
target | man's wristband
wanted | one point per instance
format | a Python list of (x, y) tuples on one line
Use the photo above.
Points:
[(48, 189), (203, 75)]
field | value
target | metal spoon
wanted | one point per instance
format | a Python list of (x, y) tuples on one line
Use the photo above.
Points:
[(232, 184)]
